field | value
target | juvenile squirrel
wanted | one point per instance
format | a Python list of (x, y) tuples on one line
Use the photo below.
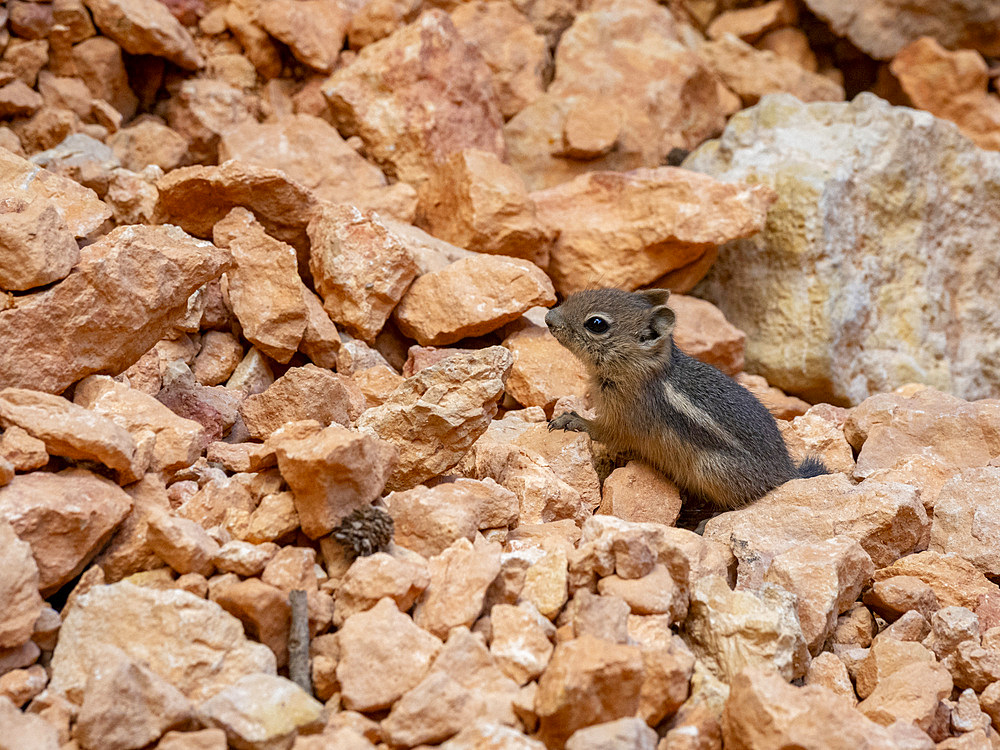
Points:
[(682, 416)]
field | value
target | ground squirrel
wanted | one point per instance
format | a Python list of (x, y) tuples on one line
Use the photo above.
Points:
[(686, 418)]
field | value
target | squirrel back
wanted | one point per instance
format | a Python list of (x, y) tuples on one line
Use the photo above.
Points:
[(683, 416)]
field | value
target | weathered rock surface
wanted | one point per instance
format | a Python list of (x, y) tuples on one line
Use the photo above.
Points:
[(146, 27), (18, 588), (808, 153), (360, 267), (127, 291), (265, 291), (884, 27), (666, 96), (435, 416), (952, 86), (38, 247), (332, 472), (629, 229), (450, 600), (190, 642), (541, 373), (416, 97), (967, 518), (65, 517), (471, 297)]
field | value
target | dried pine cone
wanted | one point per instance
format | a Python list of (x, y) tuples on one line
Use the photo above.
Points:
[(365, 531)]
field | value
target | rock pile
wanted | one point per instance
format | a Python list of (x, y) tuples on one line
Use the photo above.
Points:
[(274, 276)]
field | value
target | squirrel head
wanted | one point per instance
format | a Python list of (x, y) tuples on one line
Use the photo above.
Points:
[(619, 336)]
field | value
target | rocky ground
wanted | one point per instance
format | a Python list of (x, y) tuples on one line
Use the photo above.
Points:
[(267, 265)]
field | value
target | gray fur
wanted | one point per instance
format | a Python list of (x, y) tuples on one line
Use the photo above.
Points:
[(685, 417)]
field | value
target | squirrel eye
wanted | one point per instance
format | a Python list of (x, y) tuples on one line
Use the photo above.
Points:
[(596, 324)]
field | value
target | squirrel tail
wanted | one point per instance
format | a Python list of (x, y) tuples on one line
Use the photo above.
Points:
[(812, 467)]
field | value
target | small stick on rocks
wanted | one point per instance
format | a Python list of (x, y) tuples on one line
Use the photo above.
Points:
[(298, 641)]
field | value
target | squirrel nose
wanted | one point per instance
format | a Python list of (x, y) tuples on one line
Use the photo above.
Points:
[(553, 317)]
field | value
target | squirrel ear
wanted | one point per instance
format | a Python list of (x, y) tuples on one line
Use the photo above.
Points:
[(655, 297), (661, 325)]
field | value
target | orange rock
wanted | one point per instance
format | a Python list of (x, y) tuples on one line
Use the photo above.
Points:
[(307, 392), (887, 519), (432, 435), (331, 473), (781, 405), (750, 23), (820, 433), (146, 27), (244, 558), (827, 670), (203, 110), (264, 611), (311, 152), (604, 617), (264, 287), (893, 597), (218, 357), (383, 654), (665, 95), (371, 578), (764, 711), (416, 97), (26, 730), (203, 739), (18, 588), (23, 451), (361, 268), (521, 642), (628, 229), (541, 373), (955, 581), (790, 43), (471, 297), (449, 600), (22, 685), (912, 693), (103, 287), (147, 141), (85, 509), (434, 710), (753, 73), (181, 543), (967, 503), (172, 632), (126, 703), (38, 247), (314, 30), (517, 56), (637, 492), (704, 333), (588, 681)]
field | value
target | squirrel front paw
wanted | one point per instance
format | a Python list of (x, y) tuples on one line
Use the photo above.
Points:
[(569, 421)]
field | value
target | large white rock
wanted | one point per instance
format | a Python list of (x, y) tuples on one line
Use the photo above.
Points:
[(877, 265)]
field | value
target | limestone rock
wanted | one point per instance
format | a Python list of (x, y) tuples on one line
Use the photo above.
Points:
[(966, 518), (435, 416), (703, 332), (763, 710), (314, 30), (372, 578), (665, 96), (383, 655), (638, 492), (828, 670), (18, 588), (190, 642), (827, 577), (517, 56), (733, 630), (588, 681), (311, 152), (489, 735), (70, 431), (475, 201), (182, 544), (38, 246), (202, 110), (21, 450), (955, 581), (66, 518), (262, 711), (820, 433), (911, 693), (452, 600), (841, 143), (265, 290), (196, 198), (952, 86), (307, 392), (106, 314), (416, 97), (886, 518), (25, 730), (244, 558), (624, 734), (178, 441), (146, 27), (264, 611), (521, 641), (893, 597), (126, 705), (882, 28), (361, 268), (20, 180), (148, 141), (435, 709), (628, 229), (753, 73), (471, 297), (749, 24), (331, 473), (541, 373)]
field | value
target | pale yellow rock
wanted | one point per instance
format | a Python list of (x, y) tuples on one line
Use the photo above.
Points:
[(545, 583)]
